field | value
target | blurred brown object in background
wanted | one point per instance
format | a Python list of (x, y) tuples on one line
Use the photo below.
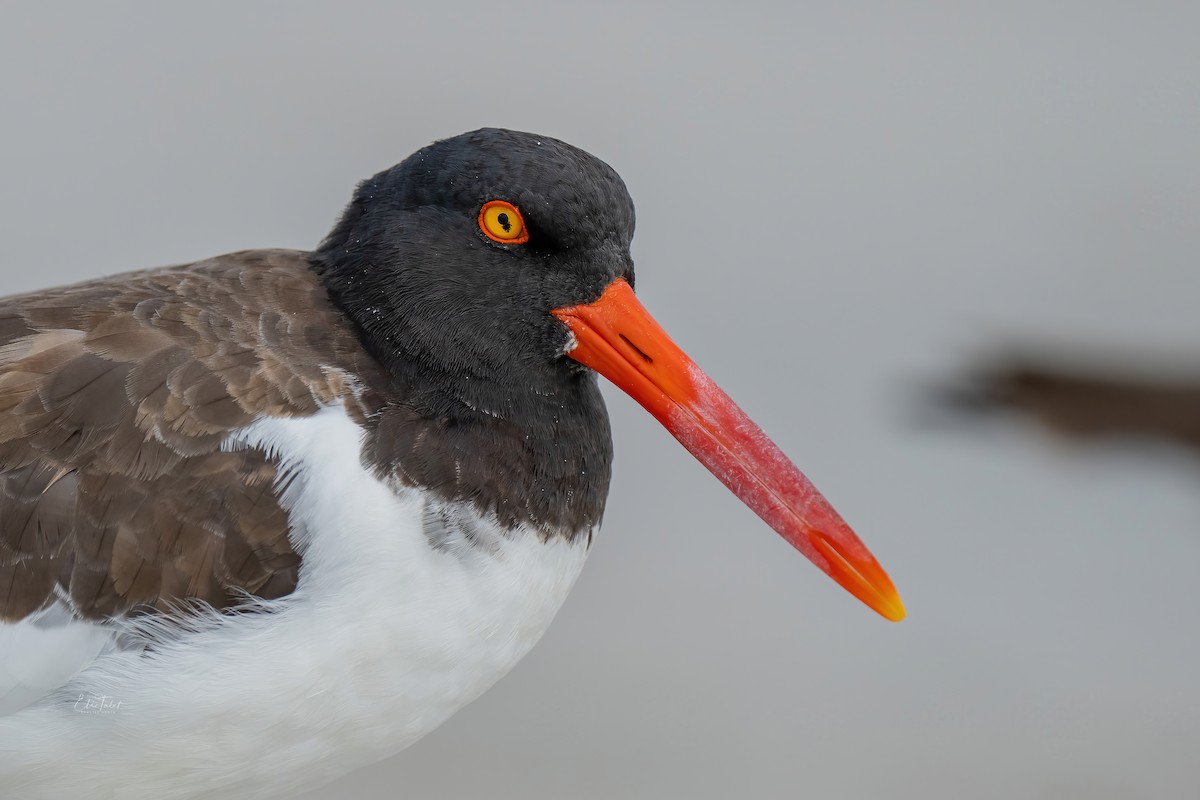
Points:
[(1080, 401)]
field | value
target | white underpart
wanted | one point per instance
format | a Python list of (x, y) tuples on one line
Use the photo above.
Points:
[(384, 638), (42, 652)]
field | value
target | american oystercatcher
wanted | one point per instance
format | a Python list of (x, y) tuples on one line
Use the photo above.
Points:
[(275, 515)]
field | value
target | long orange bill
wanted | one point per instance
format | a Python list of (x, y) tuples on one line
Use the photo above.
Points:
[(618, 338)]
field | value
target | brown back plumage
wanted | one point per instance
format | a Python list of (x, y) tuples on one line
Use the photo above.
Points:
[(115, 398)]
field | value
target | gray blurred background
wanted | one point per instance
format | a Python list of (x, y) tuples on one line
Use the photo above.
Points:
[(835, 206)]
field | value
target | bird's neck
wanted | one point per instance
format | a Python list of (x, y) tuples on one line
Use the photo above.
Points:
[(531, 445)]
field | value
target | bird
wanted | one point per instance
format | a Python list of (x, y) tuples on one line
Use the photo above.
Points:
[(271, 516)]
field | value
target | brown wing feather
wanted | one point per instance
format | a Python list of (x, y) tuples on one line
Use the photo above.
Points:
[(115, 398)]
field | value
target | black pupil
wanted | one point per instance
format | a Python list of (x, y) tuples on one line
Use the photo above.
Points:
[(502, 218)]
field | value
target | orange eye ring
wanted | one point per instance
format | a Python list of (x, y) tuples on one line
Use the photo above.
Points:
[(501, 222)]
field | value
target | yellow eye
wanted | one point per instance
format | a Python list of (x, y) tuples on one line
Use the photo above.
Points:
[(500, 221)]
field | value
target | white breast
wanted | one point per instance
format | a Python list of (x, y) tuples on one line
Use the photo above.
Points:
[(385, 637)]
